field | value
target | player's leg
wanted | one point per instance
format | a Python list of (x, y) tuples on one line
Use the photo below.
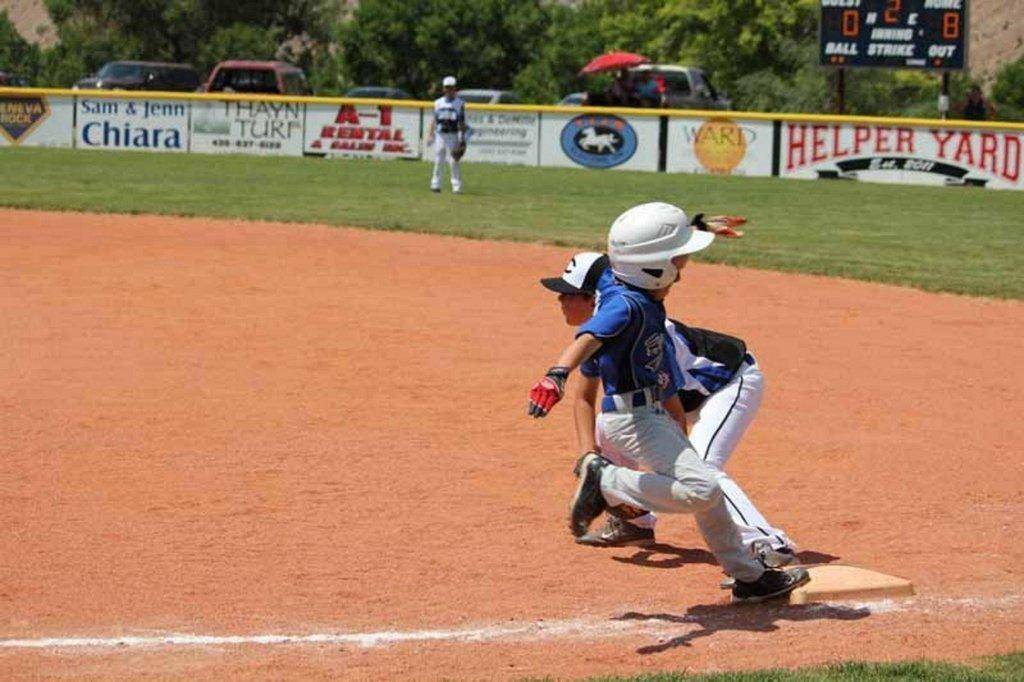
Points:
[(439, 153), (619, 532), (453, 142), (616, 456), (720, 424), (679, 482)]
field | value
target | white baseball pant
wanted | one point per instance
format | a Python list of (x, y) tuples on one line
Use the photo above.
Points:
[(444, 143), (717, 427), (678, 482)]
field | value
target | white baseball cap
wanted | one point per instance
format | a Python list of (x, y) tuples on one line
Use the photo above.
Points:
[(448, 82), (580, 275)]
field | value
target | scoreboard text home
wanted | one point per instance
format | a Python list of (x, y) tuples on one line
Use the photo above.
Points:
[(922, 34)]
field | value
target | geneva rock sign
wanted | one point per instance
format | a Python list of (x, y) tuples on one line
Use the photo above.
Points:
[(923, 34)]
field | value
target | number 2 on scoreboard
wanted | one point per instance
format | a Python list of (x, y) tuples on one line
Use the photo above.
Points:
[(892, 12)]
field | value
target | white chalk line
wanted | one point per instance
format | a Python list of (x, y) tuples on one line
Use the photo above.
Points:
[(577, 628)]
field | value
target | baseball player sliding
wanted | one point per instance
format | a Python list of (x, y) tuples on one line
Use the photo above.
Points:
[(447, 133), (626, 346), (721, 393)]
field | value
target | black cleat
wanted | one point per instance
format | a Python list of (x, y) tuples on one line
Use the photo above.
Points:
[(618, 533), (770, 585), (588, 502), (773, 557)]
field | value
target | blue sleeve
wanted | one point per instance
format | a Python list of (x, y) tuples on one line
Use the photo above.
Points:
[(610, 319), (676, 379), (590, 368)]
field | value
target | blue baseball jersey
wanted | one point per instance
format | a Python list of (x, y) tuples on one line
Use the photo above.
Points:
[(637, 351)]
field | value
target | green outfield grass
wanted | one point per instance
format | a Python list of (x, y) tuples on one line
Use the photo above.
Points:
[(990, 669), (963, 240)]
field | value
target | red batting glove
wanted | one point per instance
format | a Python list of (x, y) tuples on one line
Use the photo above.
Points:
[(546, 392)]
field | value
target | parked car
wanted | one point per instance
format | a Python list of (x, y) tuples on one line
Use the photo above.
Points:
[(472, 96), (573, 99), (682, 87), (378, 92), (142, 76), (265, 78), (12, 80)]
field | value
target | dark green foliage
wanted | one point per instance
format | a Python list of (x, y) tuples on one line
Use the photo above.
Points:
[(412, 45), (1008, 91), (17, 56), (200, 32)]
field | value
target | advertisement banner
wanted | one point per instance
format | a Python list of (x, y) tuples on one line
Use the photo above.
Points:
[(141, 125), (720, 146), (599, 141), (36, 121), (247, 127), (366, 130), (892, 153), (502, 137)]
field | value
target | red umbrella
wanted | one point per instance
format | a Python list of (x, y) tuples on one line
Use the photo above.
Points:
[(613, 61)]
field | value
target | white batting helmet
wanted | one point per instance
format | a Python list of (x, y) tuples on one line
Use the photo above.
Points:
[(643, 241)]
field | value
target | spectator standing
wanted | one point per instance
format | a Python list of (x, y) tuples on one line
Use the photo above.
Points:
[(975, 107)]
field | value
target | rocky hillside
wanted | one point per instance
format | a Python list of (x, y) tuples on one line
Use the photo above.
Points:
[(31, 20)]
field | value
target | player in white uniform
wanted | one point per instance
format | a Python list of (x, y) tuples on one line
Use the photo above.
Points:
[(721, 392), (447, 134)]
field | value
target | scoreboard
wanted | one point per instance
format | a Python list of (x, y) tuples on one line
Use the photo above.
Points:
[(903, 34)]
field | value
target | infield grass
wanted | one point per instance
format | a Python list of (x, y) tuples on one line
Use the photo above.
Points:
[(988, 669), (962, 240)]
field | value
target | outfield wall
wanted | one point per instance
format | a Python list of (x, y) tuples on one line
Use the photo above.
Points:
[(917, 151)]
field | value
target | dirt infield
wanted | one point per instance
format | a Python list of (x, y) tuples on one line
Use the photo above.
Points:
[(230, 429)]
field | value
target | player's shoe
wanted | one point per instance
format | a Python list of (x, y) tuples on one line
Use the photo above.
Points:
[(457, 191), (588, 502), (770, 585), (618, 533), (435, 190), (772, 557)]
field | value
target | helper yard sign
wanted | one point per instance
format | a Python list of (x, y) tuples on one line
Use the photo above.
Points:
[(949, 156)]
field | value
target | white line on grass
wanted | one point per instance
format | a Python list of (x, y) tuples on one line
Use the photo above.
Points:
[(578, 628)]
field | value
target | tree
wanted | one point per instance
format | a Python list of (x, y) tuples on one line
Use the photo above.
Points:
[(195, 31), (732, 38), (575, 35), (411, 45), (17, 55), (1008, 91), (238, 41)]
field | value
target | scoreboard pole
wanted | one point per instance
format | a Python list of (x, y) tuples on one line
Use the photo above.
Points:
[(944, 97), (840, 90)]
